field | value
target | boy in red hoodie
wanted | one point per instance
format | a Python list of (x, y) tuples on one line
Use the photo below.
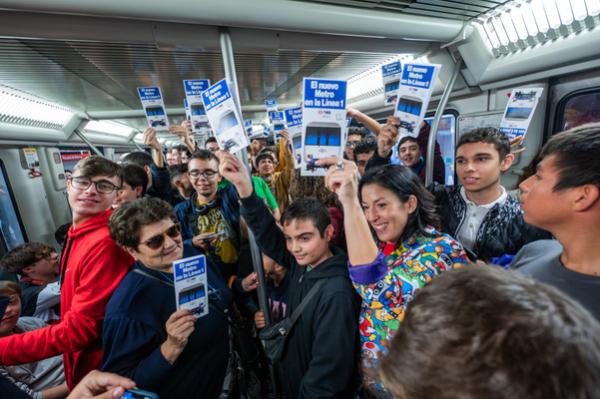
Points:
[(92, 266)]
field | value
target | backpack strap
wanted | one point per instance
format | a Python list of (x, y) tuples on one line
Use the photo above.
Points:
[(313, 291)]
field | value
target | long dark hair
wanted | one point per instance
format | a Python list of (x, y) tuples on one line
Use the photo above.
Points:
[(403, 182)]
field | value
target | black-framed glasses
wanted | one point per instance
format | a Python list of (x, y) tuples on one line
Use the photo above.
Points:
[(158, 240), (352, 143), (102, 186), (207, 173)]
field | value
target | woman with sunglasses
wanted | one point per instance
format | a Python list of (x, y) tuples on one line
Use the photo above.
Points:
[(144, 338)]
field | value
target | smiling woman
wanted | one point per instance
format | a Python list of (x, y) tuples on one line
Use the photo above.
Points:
[(144, 336), (407, 254)]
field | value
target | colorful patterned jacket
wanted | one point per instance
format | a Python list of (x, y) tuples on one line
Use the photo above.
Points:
[(390, 282)]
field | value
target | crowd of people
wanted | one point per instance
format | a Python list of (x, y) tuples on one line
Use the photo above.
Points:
[(381, 286)]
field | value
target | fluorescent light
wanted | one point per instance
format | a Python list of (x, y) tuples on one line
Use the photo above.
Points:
[(564, 11), (370, 80), (540, 15), (509, 27), (20, 108), (491, 33), (517, 17), (593, 7), (552, 13), (579, 9), (500, 30), (108, 127), (529, 19)]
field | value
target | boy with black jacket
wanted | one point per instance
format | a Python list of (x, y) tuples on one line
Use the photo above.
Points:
[(321, 352)]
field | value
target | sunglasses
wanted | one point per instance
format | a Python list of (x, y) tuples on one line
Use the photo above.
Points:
[(158, 240)]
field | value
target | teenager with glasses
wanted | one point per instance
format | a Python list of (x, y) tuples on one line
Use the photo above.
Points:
[(92, 266), (144, 337), (210, 218)]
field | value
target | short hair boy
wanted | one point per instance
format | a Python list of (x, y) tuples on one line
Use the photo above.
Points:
[(479, 212), (92, 266), (563, 197)]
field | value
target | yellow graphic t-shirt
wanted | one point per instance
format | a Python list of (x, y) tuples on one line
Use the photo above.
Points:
[(222, 246)]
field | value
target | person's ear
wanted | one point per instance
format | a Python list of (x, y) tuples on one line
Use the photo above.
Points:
[(138, 191), (507, 162), (412, 203), (329, 232), (131, 251), (27, 270), (585, 197)]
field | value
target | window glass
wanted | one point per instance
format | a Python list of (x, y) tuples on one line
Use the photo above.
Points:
[(10, 228), (580, 109)]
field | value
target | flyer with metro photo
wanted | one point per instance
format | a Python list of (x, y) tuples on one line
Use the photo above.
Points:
[(414, 93), (391, 74), (154, 107), (519, 111), (193, 94), (323, 123), (293, 119), (224, 118), (191, 285)]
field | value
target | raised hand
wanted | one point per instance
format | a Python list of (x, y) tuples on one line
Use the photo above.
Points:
[(231, 168), (388, 135), (342, 179), (150, 139)]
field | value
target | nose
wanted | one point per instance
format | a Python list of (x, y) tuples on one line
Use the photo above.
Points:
[(91, 189), (525, 185), (295, 246)]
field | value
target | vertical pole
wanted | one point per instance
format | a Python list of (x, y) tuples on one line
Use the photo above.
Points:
[(229, 66), (436, 123)]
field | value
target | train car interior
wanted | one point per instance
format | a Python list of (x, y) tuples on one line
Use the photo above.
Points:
[(69, 72)]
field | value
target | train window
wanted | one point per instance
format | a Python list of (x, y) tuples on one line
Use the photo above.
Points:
[(446, 138), (11, 228), (578, 109)]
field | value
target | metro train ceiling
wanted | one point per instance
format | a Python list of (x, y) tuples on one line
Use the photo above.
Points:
[(462, 10)]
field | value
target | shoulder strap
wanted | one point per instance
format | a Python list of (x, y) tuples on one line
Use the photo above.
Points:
[(305, 301), (145, 274)]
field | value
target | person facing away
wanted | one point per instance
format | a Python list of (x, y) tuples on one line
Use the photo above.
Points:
[(478, 212), (485, 332), (210, 218), (37, 267), (133, 186), (144, 336), (407, 253), (320, 355), (92, 265), (563, 197), (44, 379)]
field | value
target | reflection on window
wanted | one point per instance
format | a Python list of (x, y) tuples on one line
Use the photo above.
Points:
[(446, 137), (10, 229), (580, 109)]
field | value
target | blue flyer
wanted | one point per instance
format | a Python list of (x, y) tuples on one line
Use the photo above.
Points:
[(224, 117), (414, 93), (248, 126), (391, 74), (293, 119), (154, 107), (193, 94), (191, 286), (323, 123), (271, 104)]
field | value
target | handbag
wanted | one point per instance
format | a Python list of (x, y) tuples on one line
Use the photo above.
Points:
[(275, 335)]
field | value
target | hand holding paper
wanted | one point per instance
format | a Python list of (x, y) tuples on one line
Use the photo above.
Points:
[(233, 170), (179, 326)]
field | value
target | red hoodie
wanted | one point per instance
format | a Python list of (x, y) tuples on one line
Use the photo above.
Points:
[(91, 268)]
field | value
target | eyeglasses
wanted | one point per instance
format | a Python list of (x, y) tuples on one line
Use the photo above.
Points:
[(158, 240), (102, 186), (352, 143), (207, 174)]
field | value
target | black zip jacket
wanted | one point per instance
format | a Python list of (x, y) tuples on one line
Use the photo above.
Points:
[(322, 352), (502, 232)]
